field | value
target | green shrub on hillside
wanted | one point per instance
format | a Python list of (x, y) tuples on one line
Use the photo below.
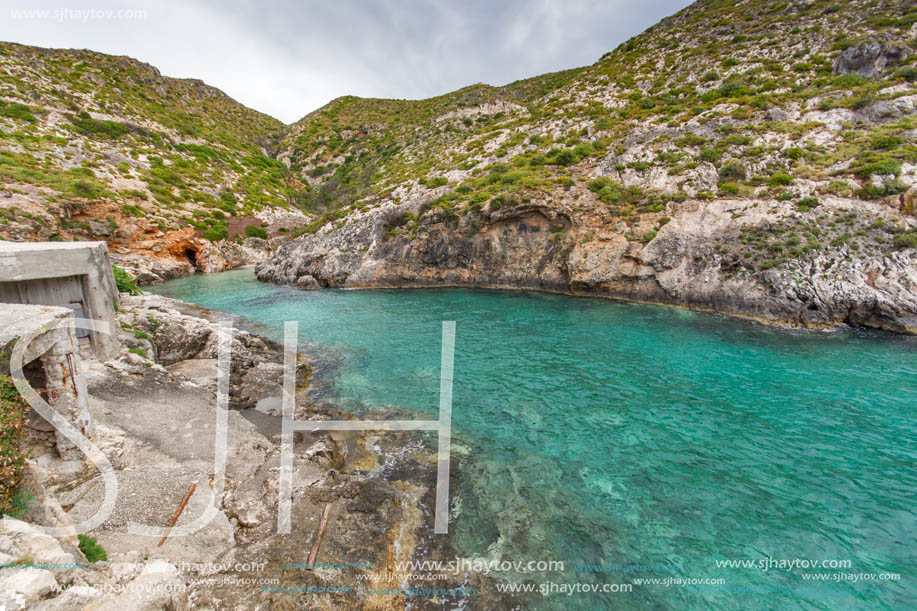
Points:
[(216, 232), (908, 73), (888, 187), (906, 240), (565, 158), (14, 110), (132, 210), (124, 281), (870, 165), (88, 126), (710, 154), (12, 430), (254, 231), (91, 549), (612, 192), (780, 179), (732, 171)]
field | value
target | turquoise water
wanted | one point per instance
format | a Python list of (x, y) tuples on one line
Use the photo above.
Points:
[(602, 433)]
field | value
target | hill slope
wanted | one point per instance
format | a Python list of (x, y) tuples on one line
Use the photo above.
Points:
[(100, 147), (756, 158)]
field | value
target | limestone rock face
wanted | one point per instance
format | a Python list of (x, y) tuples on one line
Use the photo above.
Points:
[(692, 254), (870, 58), (152, 270), (182, 338), (262, 380)]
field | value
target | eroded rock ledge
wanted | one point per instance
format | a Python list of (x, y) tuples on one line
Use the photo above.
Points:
[(693, 253), (154, 408)]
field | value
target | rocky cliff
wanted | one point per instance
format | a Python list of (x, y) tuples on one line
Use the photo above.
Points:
[(755, 158), (695, 257)]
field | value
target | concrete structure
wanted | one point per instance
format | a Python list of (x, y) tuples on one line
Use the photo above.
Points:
[(74, 275), (55, 349)]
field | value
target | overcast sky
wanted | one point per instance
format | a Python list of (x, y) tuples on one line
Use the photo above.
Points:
[(287, 58)]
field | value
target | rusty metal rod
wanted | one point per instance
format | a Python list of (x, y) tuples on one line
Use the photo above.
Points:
[(175, 516), (318, 538)]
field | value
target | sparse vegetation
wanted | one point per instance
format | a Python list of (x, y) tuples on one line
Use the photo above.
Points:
[(12, 458), (124, 281), (254, 231), (91, 549)]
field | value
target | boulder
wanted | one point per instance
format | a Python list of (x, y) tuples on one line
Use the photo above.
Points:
[(27, 541), (261, 381), (870, 58), (20, 586)]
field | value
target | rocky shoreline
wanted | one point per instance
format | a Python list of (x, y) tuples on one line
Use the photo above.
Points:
[(692, 258), (154, 419)]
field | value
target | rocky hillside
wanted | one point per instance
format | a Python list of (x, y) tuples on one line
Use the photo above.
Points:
[(757, 158), (100, 147)]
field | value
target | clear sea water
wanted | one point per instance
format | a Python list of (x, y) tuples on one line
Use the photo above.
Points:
[(599, 433)]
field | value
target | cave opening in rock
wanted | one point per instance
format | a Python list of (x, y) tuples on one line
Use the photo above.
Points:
[(191, 255)]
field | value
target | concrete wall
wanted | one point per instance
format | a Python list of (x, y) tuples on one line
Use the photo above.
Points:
[(55, 346), (30, 261)]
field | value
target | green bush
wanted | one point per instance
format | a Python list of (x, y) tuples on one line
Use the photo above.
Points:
[(611, 192), (132, 210), (565, 158), (139, 352), (91, 549), (254, 231), (17, 111), (709, 153), (906, 240), (732, 171), (503, 199), (84, 188), (780, 179), (88, 126), (435, 181), (12, 460), (806, 204), (889, 187), (218, 231), (19, 504), (908, 73), (886, 142), (124, 281), (882, 166)]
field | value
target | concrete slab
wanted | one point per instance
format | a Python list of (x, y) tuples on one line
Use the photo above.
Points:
[(84, 263)]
